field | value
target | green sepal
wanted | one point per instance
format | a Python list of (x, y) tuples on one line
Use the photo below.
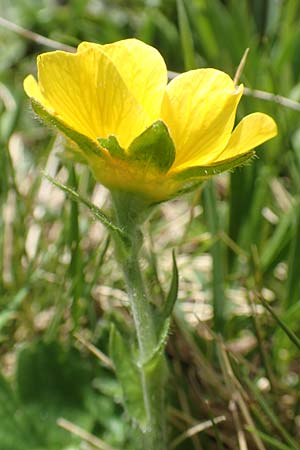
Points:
[(204, 172), (129, 376), (112, 145), (85, 144), (153, 148)]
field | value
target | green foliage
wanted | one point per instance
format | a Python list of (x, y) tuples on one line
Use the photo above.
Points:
[(51, 382)]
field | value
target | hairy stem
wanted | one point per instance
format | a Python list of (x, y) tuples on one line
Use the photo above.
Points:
[(128, 212)]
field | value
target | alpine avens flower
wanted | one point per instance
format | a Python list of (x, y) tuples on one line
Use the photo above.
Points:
[(138, 133)]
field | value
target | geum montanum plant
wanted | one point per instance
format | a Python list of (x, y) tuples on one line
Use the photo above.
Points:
[(146, 141)]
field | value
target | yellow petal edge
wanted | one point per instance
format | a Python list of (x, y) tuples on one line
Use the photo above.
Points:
[(253, 130)]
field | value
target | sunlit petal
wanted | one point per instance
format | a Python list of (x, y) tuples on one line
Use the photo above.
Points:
[(142, 69), (33, 90), (86, 91), (252, 131), (199, 109)]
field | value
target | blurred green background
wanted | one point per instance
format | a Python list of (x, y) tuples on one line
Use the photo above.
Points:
[(234, 348)]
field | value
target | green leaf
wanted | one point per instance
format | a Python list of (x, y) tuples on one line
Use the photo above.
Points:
[(154, 147), (129, 376), (155, 368), (112, 145), (13, 428), (51, 382), (204, 172), (85, 144), (156, 359), (51, 376)]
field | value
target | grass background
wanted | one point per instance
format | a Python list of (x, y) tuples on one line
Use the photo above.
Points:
[(234, 348)]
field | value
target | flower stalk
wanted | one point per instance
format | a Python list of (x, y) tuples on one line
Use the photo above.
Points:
[(129, 212)]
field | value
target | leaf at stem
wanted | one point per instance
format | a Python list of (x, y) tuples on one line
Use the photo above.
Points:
[(129, 377), (156, 358), (97, 213)]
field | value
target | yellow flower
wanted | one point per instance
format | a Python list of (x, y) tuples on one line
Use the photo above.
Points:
[(138, 133)]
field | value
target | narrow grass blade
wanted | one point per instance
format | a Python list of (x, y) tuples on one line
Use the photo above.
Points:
[(277, 242), (269, 439), (293, 285), (9, 312), (271, 415), (260, 341), (291, 335), (172, 295), (73, 237), (186, 37), (210, 205), (216, 431), (241, 183)]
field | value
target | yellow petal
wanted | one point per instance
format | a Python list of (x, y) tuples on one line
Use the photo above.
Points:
[(252, 131), (142, 69), (87, 92), (199, 109), (32, 89)]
